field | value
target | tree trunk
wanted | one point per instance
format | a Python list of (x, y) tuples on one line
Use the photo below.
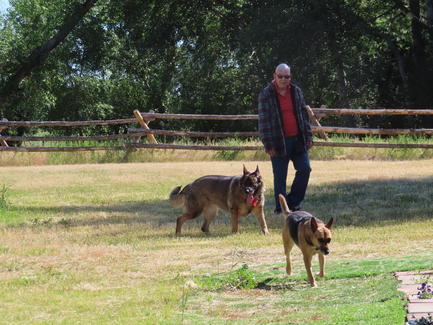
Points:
[(421, 77), (342, 82), (41, 51), (393, 48)]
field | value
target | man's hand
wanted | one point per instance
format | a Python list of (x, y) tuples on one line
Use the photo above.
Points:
[(309, 145), (271, 152)]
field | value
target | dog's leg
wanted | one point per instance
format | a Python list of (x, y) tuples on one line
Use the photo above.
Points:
[(260, 216), (185, 217), (288, 244), (209, 214), (307, 253), (181, 220), (321, 274), (235, 222), (307, 261)]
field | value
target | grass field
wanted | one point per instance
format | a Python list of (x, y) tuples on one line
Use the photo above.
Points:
[(95, 244)]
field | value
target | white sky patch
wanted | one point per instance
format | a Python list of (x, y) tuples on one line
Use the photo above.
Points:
[(4, 4)]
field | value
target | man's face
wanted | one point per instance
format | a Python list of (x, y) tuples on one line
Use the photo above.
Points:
[(282, 77)]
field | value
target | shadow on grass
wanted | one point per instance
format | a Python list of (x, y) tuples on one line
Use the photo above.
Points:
[(271, 285), (358, 204)]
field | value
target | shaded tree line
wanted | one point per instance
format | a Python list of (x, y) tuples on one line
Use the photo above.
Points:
[(102, 59)]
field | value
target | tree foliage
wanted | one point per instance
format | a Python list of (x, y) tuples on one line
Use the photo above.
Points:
[(213, 57)]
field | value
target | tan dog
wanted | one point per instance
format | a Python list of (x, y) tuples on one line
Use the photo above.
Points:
[(238, 195), (310, 234)]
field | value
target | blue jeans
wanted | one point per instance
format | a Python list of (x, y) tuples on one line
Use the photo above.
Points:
[(301, 163)]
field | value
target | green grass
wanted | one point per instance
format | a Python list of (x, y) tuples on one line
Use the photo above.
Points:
[(366, 300), (95, 244), (353, 292)]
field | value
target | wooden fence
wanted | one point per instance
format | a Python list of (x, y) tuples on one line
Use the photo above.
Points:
[(145, 118)]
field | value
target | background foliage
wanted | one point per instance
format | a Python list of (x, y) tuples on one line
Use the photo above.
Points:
[(214, 57)]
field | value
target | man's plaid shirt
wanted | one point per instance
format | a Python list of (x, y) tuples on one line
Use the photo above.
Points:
[(270, 119)]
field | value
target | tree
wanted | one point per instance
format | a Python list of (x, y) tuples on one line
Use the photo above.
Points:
[(214, 57), (38, 54)]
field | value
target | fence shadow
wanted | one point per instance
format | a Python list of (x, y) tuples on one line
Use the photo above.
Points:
[(357, 204)]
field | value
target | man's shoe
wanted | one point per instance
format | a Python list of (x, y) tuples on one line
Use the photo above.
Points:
[(295, 208)]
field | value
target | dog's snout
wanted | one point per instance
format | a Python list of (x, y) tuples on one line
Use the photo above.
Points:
[(325, 251), (249, 190)]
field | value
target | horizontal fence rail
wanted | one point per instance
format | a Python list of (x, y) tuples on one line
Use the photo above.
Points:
[(144, 118), (78, 138), (345, 111), (370, 131), (66, 123), (327, 111), (238, 148), (60, 149), (313, 128)]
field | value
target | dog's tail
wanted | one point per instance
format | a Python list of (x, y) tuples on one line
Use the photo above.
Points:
[(177, 197), (284, 207)]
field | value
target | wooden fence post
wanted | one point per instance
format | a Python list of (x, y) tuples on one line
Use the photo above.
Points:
[(315, 121), (2, 127), (144, 126)]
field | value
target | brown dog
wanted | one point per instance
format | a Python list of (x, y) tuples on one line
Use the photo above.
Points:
[(238, 195), (310, 234)]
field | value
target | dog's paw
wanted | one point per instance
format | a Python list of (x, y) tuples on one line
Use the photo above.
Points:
[(312, 283), (320, 275)]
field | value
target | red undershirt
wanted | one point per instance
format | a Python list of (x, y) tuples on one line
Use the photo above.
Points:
[(289, 120)]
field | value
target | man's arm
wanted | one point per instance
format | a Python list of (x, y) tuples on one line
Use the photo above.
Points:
[(306, 119), (265, 128)]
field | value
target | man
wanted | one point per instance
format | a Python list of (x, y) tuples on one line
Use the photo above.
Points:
[(285, 131)]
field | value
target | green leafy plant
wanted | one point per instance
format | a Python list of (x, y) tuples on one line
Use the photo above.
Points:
[(238, 279)]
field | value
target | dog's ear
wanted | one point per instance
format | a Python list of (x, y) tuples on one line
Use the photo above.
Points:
[(246, 172), (313, 225), (330, 223), (257, 172)]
